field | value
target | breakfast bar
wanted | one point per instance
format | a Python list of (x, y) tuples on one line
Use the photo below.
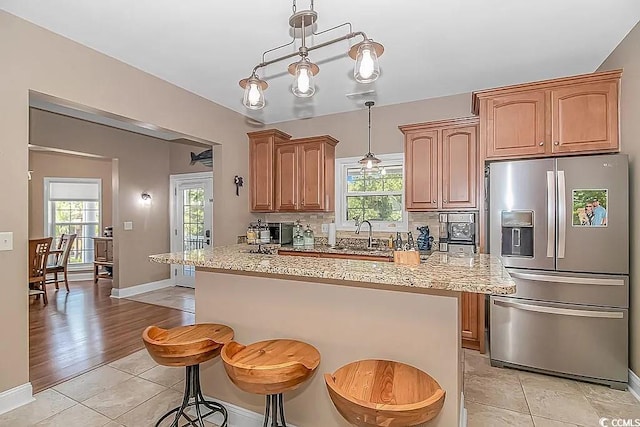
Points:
[(349, 309)]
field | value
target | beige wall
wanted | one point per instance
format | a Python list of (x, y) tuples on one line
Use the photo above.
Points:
[(180, 158), (352, 132), (143, 166), (57, 165), (35, 59), (627, 56)]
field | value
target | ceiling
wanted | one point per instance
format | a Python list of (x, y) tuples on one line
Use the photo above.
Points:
[(432, 48)]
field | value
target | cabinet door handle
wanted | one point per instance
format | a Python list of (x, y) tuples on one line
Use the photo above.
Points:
[(444, 201), (434, 201), (541, 144), (556, 143)]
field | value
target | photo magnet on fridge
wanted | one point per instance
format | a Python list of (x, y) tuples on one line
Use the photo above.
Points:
[(590, 208)]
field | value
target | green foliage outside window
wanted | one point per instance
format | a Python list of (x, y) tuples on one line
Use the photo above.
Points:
[(375, 196)]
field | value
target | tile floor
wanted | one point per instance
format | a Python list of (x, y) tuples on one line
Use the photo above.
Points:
[(133, 392), (179, 297), (506, 398)]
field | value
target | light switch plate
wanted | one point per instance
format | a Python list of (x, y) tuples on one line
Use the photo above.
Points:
[(128, 225), (6, 241), (325, 228)]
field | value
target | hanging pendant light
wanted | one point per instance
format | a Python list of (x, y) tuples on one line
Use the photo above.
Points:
[(369, 162), (366, 54), (253, 92), (303, 72)]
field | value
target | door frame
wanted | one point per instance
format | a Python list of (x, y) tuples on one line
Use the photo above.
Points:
[(174, 180)]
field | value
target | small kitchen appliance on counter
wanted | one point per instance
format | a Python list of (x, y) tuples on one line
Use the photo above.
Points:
[(281, 233), (457, 232)]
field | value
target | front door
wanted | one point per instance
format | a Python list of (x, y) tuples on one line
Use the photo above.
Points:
[(192, 220)]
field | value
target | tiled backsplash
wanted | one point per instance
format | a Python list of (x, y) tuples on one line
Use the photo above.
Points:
[(416, 219)]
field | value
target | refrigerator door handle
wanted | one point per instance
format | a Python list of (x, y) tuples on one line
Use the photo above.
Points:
[(562, 214), (551, 196), (560, 311), (565, 279)]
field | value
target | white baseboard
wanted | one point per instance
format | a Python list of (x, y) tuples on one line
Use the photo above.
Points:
[(15, 397), (239, 417), (463, 412), (140, 289), (634, 384)]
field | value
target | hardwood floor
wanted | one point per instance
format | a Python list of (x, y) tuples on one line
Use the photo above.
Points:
[(85, 328)]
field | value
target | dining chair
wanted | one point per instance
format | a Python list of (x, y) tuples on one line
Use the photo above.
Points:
[(38, 254), (61, 260)]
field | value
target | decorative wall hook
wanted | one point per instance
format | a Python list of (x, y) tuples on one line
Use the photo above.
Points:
[(238, 181)]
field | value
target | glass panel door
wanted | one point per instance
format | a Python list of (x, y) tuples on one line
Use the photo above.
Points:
[(193, 222)]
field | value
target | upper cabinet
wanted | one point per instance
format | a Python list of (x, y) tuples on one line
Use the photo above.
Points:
[(515, 125), (585, 117), (572, 115), (292, 175), (261, 168), (441, 165)]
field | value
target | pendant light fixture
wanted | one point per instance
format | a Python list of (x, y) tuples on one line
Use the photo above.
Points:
[(365, 54), (369, 162)]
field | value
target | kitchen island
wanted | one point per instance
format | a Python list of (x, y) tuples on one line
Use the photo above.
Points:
[(348, 309)]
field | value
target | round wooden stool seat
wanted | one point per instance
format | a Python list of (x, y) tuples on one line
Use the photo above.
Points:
[(384, 393), (186, 345), (270, 367), (189, 346)]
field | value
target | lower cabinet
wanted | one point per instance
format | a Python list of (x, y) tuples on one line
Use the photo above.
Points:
[(473, 321)]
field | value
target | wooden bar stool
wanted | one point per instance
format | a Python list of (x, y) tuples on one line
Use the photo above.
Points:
[(270, 368), (384, 393), (189, 346)]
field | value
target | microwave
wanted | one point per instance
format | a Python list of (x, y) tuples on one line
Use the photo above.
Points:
[(281, 232)]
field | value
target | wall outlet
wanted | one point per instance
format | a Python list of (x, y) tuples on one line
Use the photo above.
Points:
[(325, 228), (128, 225), (6, 241)]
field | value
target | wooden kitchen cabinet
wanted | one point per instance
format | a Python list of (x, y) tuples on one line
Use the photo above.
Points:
[(441, 165), (305, 175), (421, 170), (459, 167), (261, 168), (515, 125), (572, 115), (473, 311), (585, 117), (286, 177)]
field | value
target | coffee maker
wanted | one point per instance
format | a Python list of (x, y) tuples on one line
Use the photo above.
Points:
[(457, 232)]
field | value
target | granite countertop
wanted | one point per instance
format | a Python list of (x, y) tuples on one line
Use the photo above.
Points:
[(481, 273)]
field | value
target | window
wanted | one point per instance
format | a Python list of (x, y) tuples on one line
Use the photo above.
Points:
[(374, 196), (72, 206)]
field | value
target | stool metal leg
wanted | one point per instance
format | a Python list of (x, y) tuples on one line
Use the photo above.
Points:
[(192, 390), (274, 409)]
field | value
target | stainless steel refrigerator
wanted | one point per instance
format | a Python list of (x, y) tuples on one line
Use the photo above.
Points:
[(561, 227)]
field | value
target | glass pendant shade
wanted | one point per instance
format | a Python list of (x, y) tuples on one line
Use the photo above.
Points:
[(254, 94), (366, 69), (303, 86)]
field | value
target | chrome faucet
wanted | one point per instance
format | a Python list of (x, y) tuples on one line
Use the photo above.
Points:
[(358, 225)]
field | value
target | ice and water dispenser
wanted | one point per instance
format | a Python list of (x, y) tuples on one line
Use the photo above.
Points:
[(517, 233)]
